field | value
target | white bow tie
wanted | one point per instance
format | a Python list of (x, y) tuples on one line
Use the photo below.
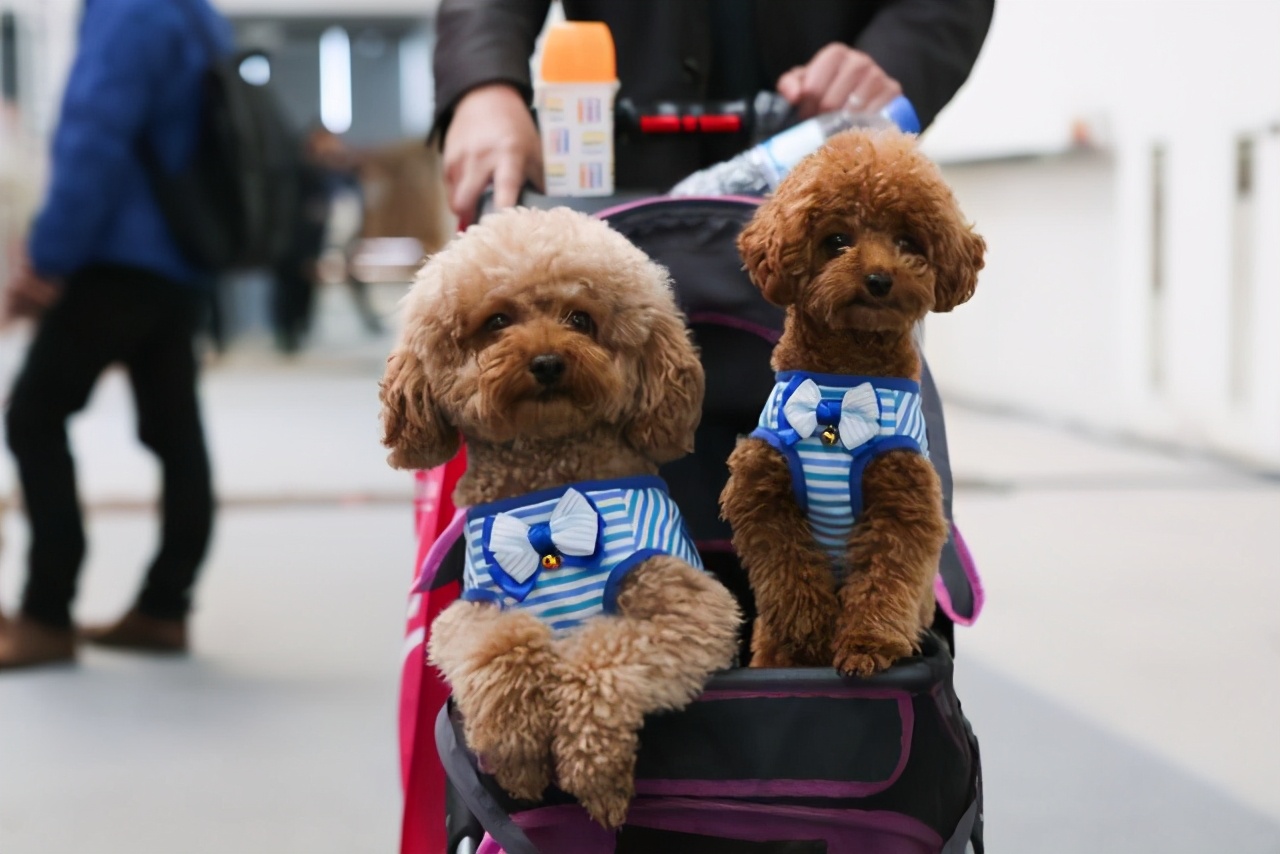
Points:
[(855, 418), (522, 549)]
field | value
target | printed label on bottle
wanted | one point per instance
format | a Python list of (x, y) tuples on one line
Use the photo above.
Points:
[(590, 110), (576, 126), (591, 176)]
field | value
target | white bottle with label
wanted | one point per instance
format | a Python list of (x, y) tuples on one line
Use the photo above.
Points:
[(574, 96)]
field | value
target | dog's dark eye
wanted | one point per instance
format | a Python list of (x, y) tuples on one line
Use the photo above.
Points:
[(906, 244), (581, 321), (498, 321), (834, 244)]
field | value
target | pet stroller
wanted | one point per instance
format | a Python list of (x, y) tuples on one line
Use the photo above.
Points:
[(800, 761)]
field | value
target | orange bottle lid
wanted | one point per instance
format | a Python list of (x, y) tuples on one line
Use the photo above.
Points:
[(579, 52)]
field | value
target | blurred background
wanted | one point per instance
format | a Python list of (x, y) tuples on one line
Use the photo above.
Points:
[(1113, 401)]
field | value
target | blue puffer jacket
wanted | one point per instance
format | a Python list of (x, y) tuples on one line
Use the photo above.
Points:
[(137, 75)]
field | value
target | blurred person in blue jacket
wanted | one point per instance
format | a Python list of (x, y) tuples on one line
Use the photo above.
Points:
[(106, 283)]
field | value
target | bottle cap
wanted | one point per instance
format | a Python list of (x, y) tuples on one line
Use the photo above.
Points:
[(579, 52), (901, 113)]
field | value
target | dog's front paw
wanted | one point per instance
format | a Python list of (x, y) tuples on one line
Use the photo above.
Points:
[(798, 632), (513, 744), (600, 775), (501, 667), (525, 777), (596, 737), (865, 655), (769, 650), (608, 809)]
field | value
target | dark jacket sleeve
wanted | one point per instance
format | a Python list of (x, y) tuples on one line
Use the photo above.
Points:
[(108, 95), (482, 41), (929, 46)]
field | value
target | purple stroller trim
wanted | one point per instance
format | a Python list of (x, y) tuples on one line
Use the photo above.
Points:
[(730, 322), (843, 692), (767, 788), (440, 548), (667, 200), (568, 829), (975, 583)]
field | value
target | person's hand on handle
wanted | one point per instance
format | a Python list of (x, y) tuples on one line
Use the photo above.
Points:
[(492, 138), (838, 75)]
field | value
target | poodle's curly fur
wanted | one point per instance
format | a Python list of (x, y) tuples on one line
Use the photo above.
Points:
[(868, 203), (520, 286)]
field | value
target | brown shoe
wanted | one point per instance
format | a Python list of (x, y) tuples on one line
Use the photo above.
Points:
[(28, 643), (137, 632)]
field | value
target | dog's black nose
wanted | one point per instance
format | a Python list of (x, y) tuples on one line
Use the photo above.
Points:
[(547, 368), (878, 284)]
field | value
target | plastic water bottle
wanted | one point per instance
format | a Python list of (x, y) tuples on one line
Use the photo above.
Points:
[(759, 170)]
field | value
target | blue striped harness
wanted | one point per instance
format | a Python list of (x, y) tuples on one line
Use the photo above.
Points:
[(562, 553), (829, 426)]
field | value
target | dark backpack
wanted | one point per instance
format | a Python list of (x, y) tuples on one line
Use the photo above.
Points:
[(235, 204)]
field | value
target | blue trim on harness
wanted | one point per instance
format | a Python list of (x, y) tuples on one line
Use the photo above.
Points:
[(789, 453), (868, 452), (619, 573)]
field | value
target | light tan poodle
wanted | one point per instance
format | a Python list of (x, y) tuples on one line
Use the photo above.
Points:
[(836, 511), (554, 348)]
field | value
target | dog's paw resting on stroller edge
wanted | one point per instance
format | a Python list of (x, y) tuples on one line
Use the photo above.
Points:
[(554, 348), (644, 660), (503, 671)]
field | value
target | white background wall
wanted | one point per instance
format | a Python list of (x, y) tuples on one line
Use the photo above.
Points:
[(1067, 321), (1150, 66)]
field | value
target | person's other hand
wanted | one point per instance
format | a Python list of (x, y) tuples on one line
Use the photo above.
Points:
[(28, 295), (838, 75), (491, 138)]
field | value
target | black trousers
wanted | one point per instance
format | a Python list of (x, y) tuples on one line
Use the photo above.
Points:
[(112, 315)]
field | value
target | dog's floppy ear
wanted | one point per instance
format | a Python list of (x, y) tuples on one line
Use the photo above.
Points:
[(775, 252), (413, 427), (957, 258), (669, 399)]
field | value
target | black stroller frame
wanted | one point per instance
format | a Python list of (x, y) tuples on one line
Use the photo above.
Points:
[(767, 761)]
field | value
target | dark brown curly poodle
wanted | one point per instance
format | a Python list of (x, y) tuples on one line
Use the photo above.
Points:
[(859, 243), (555, 348)]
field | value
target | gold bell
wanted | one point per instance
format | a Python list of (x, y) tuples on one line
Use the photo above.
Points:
[(829, 436), (551, 561)]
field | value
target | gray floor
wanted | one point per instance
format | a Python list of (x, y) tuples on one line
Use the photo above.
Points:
[(1122, 680), (1057, 783), (278, 736)]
